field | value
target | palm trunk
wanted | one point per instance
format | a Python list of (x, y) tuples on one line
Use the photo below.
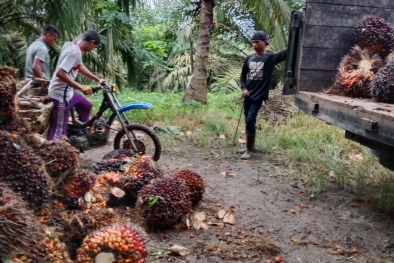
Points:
[(197, 88)]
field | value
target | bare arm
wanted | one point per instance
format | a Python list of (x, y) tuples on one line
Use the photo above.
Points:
[(37, 64), (63, 76)]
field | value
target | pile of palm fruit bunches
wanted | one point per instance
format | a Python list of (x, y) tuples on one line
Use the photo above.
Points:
[(367, 70), (51, 210)]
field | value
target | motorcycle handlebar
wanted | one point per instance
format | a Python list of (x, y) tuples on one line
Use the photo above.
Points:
[(96, 89)]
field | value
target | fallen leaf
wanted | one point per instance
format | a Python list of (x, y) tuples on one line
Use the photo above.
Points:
[(196, 224), (200, 216), (221, 214), (241, 141), (229, 218), (335, 251), (179, 250), (216, 224), (225, 174), (203, 226)]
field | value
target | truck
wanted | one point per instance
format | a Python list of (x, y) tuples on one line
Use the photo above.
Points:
[(319, 36)]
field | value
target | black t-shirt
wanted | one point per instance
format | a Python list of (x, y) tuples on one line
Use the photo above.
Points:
[(257, 71)]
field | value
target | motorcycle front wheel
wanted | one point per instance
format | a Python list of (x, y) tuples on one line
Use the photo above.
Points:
[(145, 140)]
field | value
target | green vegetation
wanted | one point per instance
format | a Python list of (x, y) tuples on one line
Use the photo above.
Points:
[(302, 147)]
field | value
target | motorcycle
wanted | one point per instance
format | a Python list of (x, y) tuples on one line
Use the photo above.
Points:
[(95, 132)]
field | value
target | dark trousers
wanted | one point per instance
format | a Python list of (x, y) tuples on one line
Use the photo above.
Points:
[(251, 109)]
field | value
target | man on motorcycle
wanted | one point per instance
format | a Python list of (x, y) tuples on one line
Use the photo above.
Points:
[(37, 55), (63, 81)]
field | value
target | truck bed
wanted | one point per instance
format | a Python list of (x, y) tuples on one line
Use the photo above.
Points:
[(362, 117)]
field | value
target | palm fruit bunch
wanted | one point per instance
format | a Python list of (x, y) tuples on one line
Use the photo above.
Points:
[(16, 125), (195, 183), (124, 241), (7, 94), (22, 169), (374, 34), (109, 166), (18, 228), (74, 188), (47, 249), (140, 172), (79, 224), (382, 85), (164, 202), (356, 72), (60, 158)]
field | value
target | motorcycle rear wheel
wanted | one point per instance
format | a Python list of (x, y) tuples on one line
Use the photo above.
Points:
[(146, 141)]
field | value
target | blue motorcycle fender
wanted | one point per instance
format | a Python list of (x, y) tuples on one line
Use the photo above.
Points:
[(130, 106)]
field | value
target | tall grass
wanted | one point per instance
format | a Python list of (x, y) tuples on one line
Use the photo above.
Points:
[(303, 146)]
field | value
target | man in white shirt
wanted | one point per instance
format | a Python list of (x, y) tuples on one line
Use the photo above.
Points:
[(63, 81)]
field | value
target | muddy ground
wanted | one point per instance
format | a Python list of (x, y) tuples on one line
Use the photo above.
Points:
[(269, 209)]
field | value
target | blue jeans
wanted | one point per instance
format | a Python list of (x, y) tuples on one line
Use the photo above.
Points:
[(251, 109)]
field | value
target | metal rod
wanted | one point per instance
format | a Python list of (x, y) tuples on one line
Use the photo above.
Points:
[(236, 131)]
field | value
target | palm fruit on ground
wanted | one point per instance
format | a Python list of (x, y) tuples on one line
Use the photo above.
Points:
[(18, 228), (124, 241), (7, 94), (382, 85), (60, 157), (356, 72), (47, 249), (110, 166), (79, 224), (119, 154), (164, 202), (75, 187), (195, 183), (16, 125), (23, 169), (101, 189), (140, 172), (374, 34)]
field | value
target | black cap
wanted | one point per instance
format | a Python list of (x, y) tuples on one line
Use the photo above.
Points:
[(260, 35)]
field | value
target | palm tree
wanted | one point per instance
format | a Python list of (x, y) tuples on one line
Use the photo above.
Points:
[(197, 87)]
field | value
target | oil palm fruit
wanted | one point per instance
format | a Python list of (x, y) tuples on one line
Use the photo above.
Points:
[(382, 85), (195, 183), (374, 34), (164, 202), (125, 242)]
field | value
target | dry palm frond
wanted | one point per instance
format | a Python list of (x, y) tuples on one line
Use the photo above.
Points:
[(18, 228), (278, 107), (355, 73)]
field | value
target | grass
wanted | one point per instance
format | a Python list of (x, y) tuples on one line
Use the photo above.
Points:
[(303, 147)]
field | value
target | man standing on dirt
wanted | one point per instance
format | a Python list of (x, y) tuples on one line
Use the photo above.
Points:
[(255, 80), (37, 55), (63, 81)]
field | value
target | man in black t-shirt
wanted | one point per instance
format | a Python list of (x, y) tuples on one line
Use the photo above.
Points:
[(255, 79)]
